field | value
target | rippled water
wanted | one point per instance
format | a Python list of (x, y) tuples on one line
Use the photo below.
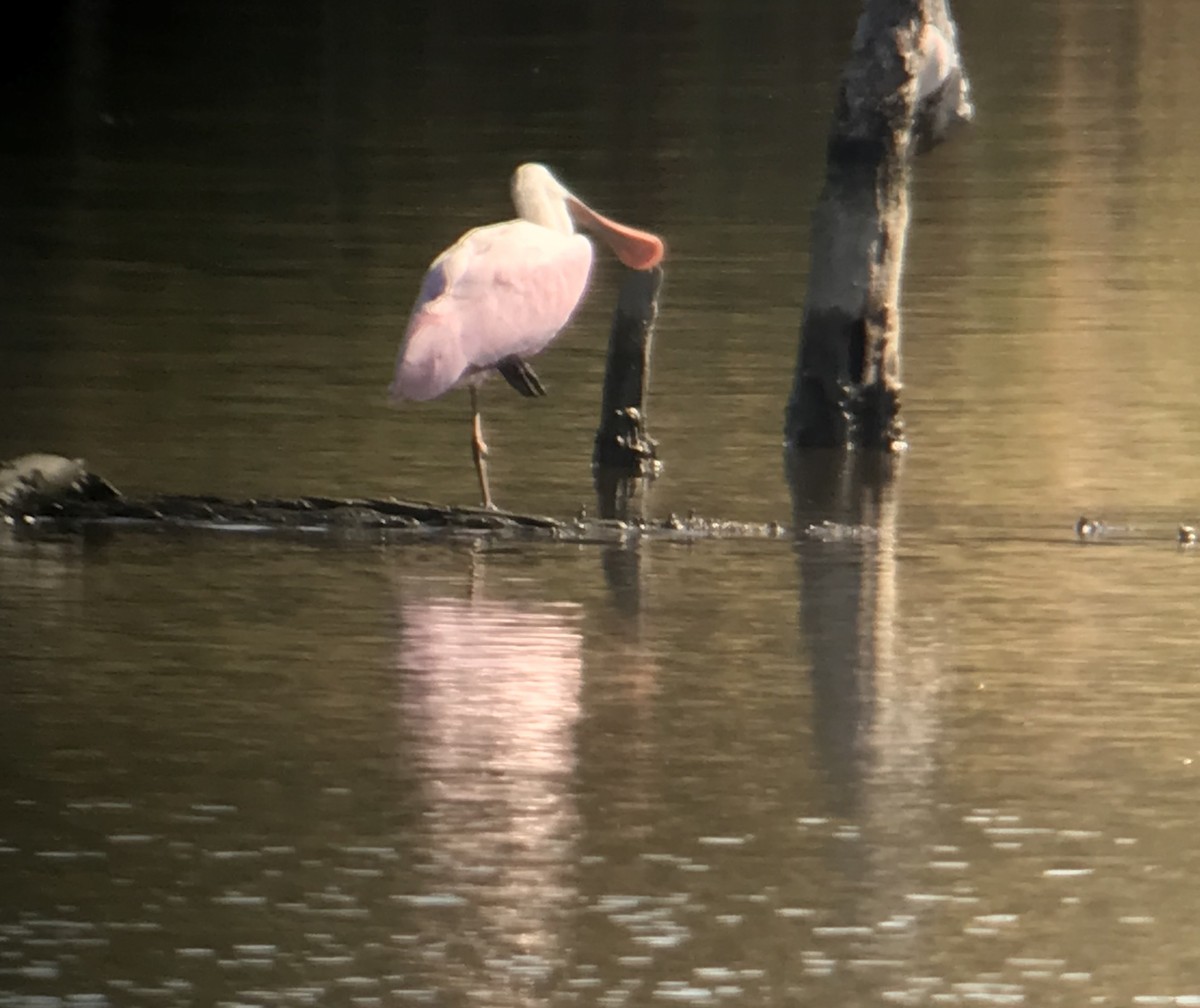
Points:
[(949, 760), (451, 774)]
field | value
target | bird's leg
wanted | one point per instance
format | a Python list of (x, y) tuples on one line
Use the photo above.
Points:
[(479, 450)]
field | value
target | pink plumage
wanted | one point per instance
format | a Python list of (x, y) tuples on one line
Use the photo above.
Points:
[(500, 291)]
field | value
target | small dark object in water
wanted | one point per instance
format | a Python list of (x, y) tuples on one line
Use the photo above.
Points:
[(1088, 528), (1187, 535)]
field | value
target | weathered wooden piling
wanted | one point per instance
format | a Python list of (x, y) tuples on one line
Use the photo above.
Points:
[(622, 442), (903, 90), (624, 452)]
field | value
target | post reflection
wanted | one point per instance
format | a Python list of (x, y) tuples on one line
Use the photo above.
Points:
[(490, 696), (873, 694)]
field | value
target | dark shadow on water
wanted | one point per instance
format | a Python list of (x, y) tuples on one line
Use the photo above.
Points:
[(847, 602)]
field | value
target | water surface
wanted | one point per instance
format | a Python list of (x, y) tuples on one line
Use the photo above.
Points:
[(950, 760)]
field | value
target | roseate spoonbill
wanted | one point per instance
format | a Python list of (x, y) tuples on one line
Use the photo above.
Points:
[(502, 292)]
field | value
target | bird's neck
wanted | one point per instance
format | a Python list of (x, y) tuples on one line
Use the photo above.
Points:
[(538, 206)]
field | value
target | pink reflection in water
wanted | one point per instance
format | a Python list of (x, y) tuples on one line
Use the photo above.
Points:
[(490, 695)]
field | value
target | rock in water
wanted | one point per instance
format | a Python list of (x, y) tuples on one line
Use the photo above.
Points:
[(29, 483)]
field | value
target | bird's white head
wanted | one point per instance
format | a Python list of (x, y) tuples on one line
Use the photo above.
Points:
[(539, 197)]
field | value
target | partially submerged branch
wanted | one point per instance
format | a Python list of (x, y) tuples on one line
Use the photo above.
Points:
[(42, 493)]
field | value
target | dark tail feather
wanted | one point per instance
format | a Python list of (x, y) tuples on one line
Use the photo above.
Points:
[(520, 376)]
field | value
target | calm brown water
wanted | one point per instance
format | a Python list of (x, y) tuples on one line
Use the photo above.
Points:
[(953, 762)]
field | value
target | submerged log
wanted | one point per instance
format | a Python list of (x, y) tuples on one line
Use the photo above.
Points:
[(902, 91), (49, 490), (49, 493)]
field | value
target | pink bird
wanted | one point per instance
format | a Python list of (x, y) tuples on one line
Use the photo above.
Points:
[(502, 292)]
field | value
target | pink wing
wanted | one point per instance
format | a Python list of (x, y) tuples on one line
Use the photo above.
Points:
[(501, 290)]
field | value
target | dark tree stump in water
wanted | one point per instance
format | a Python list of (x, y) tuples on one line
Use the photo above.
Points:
[(622, 442), (902, 91), (625, 456)]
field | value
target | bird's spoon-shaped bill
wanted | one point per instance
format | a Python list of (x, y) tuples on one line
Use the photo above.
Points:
[(639, 250)]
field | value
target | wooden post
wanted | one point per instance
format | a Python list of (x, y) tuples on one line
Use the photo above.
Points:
[(624, 452), (903, 90)]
